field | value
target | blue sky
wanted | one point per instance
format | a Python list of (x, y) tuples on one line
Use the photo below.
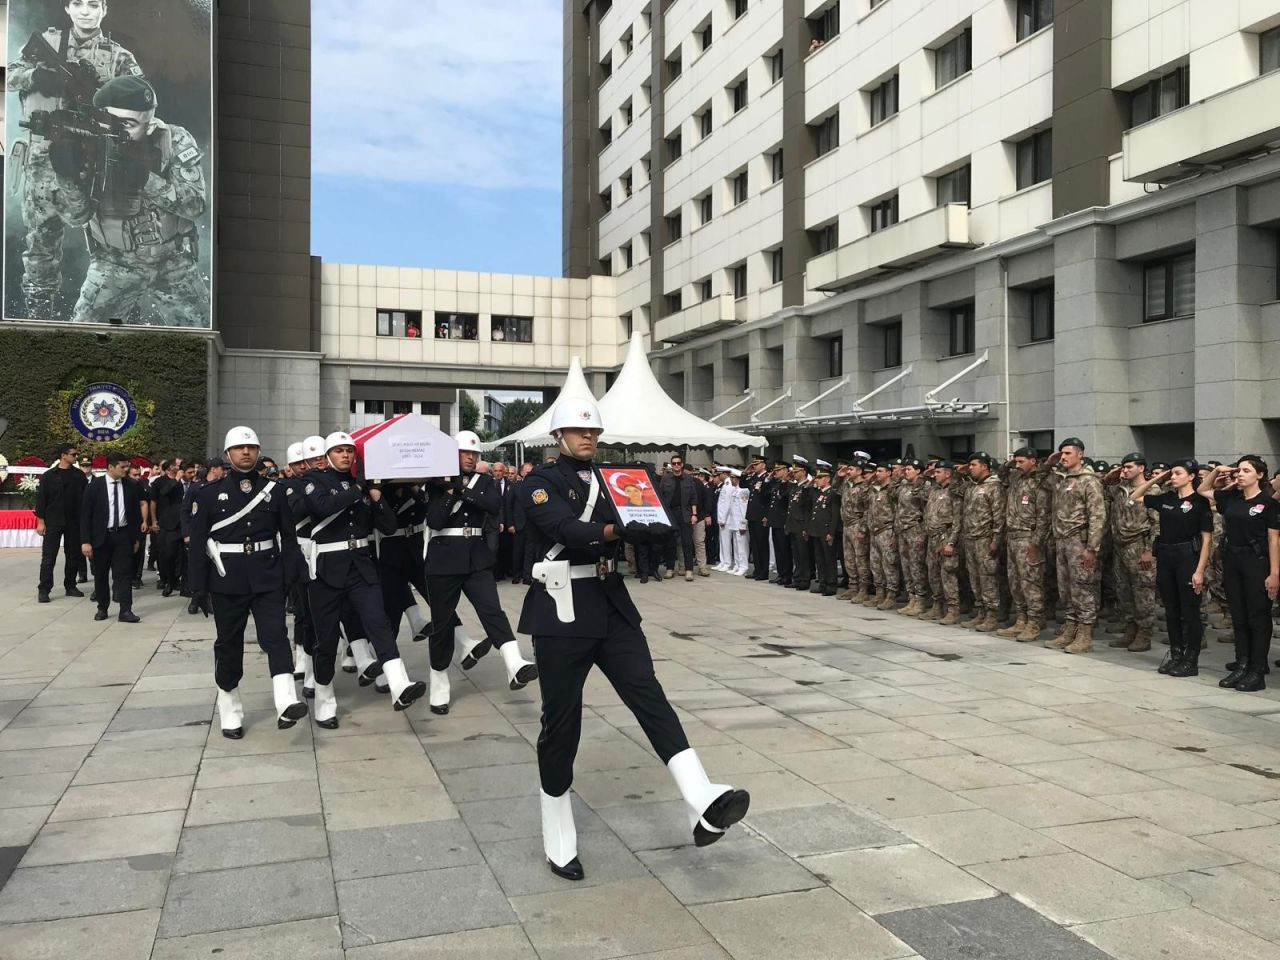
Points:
[(436, 133)]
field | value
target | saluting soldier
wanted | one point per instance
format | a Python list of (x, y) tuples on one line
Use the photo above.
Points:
[(820, 528), (761, 488), (883, 537), (1079, 519), (243, 531), (943, 561), (797, 515), (1134, 530), (1028, 518), (580, 615), (980, 529), (776, 522), (909, 504)]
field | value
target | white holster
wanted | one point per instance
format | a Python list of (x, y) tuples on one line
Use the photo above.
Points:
[(555, 576), (211, 548), (312, 554)]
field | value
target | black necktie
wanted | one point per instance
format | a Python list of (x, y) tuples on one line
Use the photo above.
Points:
[(119, 514)]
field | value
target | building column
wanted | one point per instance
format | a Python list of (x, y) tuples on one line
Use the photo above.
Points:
[(991, 328)]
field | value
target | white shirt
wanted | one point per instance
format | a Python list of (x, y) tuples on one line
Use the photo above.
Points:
[(114, 521)]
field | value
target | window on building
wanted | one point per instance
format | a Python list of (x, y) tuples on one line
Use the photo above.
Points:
[(738, 8), (891, 344), (959, 447), (1162, 95), (606, 133), (457, 326), (430, 408), (646, 94), (627, 325), (1034, 160), (625, 250), (399, 323), (704, 118), (775, 265), (953, 59), (775, 166), (674, 147), (835, 356), (704, 209), (604, 266), (1169, 288), (738, 275), (738, 95), (826, 134), (824, 239), (646, 244), (606, 199), (672, 67), (884, 213), (703, 35), (1033, 15), (774, 62), (646, 168), (374, 406), (704, 289), (512, 329), (671, 303), (738, 187), (675, 226), (884, 100), (606, 67), (627, 41), (953, 187), (1269, 51), (401, 406), (627, 182), (1040, 441), (646, 17), (1041, 310), (824, 25), (960, 330), (628, 113)]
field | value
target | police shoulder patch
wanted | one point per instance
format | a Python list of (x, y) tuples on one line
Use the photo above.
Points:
[(289, 491), (195, 508), (539, 497), (310, 488)]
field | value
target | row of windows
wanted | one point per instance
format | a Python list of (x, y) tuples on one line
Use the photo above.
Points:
[(395, 407), (454, 326), (736, 282)]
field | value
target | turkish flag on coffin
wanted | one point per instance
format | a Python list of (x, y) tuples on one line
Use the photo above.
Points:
[(406, 447)]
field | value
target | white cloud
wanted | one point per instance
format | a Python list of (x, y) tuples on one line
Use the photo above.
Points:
[(453, 92)]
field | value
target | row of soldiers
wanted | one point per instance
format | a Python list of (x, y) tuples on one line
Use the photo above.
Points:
[(1006, 543)]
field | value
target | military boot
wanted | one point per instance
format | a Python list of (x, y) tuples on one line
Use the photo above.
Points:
[(952, 617), (1141, 641), (988, 625), (1015, 628), (1030, 631), (860, 595), (845, 595), (912, 609), (931, 612), (1064, 638), (887, 602), (1130, 631), (1083, 642), (979, 614), (875, 599)]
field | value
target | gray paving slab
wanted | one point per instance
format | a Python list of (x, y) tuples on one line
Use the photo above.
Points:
[(731, 869), (139, 765), (887, 879), (251, 842), (106, 838), (514, 818), (252, 802), (84, 889), (806, 831), (248, 897), (380, 808), (1188, 934), (123, 798), (408, 905), (318, 939), (401, 848), (491, 943), (521, 868), (111, 935)]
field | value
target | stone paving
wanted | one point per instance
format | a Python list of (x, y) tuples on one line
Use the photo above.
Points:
[(917, 791)]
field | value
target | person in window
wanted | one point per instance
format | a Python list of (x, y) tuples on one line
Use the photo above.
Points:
[(411, 331), (497, 334), (815, 44), (1250, 564)]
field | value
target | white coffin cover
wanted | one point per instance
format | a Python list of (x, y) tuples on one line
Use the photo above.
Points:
[(406, 447)]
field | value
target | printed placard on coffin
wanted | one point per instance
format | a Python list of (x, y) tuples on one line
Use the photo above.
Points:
[(406, 447)]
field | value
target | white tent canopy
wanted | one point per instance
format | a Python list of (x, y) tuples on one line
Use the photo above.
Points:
[(538, 433), (638, 413)]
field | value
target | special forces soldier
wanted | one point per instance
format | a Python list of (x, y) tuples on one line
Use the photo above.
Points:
[(980, 528), (820, 528), (59, 68), (242, 530), (140, 228), (1078, 520), (1134, 529), (581, 616), (797, 514), (909, 500), (776, 521), (884, 540), (1027, 522), (942, 559)]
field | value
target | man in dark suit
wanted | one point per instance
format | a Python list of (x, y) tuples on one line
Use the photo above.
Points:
[(110, 526), (505, 484), (58, 521), (168, 493)]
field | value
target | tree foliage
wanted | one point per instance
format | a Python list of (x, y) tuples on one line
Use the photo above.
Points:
[(518, 414), (468, 411)]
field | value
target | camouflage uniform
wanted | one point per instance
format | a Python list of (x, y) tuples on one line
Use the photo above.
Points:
[(42, 257), (944, 581), (1027, 521), (853, 516), (884, 544), (1134, 529), (909, 500), (979, 525), (1079, 516)]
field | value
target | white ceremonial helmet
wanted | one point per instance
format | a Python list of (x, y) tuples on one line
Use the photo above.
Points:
[(313, 447), (295, 454), (338, 438), (241, 437), (579, 412), (468, 442)]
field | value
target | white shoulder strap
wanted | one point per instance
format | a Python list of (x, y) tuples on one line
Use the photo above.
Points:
[(470, 485), (592, 495), (243, 511)]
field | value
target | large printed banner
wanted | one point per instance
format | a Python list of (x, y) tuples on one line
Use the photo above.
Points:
[(108, 182)]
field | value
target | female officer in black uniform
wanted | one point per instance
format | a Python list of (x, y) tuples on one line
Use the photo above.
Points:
[(581, 616), (1250, 564), (1182, 556)]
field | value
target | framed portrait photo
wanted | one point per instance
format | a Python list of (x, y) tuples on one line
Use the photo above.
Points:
[(632, 488)]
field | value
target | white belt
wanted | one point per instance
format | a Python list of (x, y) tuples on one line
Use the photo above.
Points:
[(355, 543), (408, 531), (304, 543), (253, 547), (458, 532)]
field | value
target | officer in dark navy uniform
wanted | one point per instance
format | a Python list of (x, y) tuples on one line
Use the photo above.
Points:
[(343, 570), (580, 615), (761, 488), (820, 528), (304, 635), (798, 507), (775, 519), (460, 561), (243, 533)]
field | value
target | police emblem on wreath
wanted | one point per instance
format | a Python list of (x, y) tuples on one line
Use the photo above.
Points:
[(103, 412), (246, 486)]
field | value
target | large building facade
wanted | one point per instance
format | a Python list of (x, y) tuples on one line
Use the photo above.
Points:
[(935, 226)]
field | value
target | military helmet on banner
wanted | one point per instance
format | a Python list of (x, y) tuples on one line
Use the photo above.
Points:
[(576, 412), (338, 438), (241, 437), (295, 454), (468, 442), (313, 447)]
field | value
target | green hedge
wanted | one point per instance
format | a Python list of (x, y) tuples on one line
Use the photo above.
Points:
[(166, 373)]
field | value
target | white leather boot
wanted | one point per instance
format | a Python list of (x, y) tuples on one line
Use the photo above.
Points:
[(308, 676), (230, 714), (713, 807), (289, 709), (366, 662), (519, 670), (348, 661), (326, 707), (418, 624), (298, 654), (439, 698), (560, 836), (472, 650), (403, 690)]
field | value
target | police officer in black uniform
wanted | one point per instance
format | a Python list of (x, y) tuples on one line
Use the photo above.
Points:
[(343, 571), (580, 615), (820, 528), (304, 636), (244, 533), (776, 520), (760, 487), (460, 561)]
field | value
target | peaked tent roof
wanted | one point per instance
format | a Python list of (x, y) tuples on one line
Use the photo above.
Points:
[(638, 413), (538, 433)]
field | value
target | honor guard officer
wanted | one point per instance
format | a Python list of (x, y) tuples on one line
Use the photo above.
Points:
[(304, 635), (343, 571), (459, 562), (581, 616), (244, 534)]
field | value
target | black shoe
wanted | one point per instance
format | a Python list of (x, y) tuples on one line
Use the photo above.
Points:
[(74, 592), (441, 710), (1184, 668), (570, 871), (1251, 681), (160, 584), (185, 592), (524, 676), (371, 673), (82, 579), (1237, 665), (331, 724), (478, 651), (236, 734), (644, 578), (128, 616), (292, 714), (43, 597), (167, 592), (726, 810), (409, 694), (101, 614), (1233, 678), (308, 693)]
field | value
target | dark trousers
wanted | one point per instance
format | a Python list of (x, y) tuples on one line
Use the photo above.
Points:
[(503, 558), (69, 539), (684, 531), (139, 560), (782, 554), (713, 543), (1244, 574), (231, 614), (1174, 566), (758, 539), (304, 634), (171, 558), (517, 555), (646, 560), (113, 564), (802, 560), (825, 562), (329, 606), (481, 589), (623, 657), (152, 542)]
